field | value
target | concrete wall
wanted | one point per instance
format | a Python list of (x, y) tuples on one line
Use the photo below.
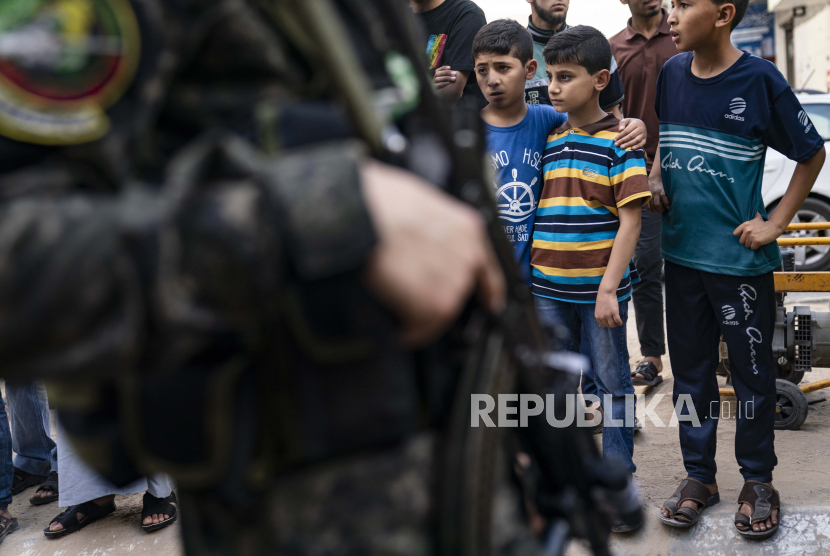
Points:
[(780, 44), (811, 43)]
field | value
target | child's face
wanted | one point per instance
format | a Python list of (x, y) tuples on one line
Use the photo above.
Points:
[(693, 22), (572, 87), (502, 78)]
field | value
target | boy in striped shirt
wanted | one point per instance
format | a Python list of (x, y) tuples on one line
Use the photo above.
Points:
[(588, 223)]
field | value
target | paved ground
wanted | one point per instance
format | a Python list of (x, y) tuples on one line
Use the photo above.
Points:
[(802, 476), (118, 534)]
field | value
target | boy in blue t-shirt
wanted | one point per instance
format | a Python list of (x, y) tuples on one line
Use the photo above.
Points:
[(719, 109), (517, 132)]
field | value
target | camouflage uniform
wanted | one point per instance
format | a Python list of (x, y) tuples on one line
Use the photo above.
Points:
[(181, 240)]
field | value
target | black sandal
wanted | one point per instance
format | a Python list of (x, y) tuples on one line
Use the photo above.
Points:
[(9, 526), (49, 484), (762, 499), (158, 506), (69, 518), (695, 491), (23, 480), (651, 376)]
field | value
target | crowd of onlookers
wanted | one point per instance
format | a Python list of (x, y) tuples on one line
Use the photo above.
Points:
[(638, 54), (620, 163)]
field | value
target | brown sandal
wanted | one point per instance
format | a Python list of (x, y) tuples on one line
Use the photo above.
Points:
[(762, 499), (689, 490), (7, 527), (651, 376)]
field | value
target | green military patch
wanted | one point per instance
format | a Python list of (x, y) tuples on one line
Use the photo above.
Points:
[(62, 64)]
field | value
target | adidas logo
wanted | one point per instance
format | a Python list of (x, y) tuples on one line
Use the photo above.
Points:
[(737, 106), (804, 119), (728, 312)]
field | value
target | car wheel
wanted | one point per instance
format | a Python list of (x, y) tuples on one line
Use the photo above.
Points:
[(812, 258)]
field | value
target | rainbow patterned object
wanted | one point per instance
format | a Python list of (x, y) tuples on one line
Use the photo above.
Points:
[(435, 50)]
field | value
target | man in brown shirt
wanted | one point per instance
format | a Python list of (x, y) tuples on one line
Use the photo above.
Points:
[(641, 49)]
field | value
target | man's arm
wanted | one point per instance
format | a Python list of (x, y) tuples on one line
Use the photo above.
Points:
[(86, 279), (608, 308), (458, 54), (433, 253), (443, 77), (451, 88), (757, 232)]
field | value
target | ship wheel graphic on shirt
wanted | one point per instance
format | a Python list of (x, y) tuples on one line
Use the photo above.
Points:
[(515, 200)]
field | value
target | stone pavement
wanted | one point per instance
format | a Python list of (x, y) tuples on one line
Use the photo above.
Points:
[(118, 534), (803, 477), (805, 531)]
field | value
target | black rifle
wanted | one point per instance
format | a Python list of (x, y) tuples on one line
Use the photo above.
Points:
[(578, 492)]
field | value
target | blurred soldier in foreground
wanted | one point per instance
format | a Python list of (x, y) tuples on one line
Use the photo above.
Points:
[(219, 282)]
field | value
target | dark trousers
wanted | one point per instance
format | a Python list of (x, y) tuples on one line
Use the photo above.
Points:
[(648, 292), (700, 307)]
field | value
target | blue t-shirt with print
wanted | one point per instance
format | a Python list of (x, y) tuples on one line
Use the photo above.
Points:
[(713, 139), (516, 155)]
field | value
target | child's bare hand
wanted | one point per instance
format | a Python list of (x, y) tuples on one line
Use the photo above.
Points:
[(607, 312), (444, 77), (632, 135), (659, 200), (758, 232)]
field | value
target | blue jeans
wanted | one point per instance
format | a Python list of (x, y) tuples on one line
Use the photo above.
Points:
[(609, 356), (30, 436), (589, 384)]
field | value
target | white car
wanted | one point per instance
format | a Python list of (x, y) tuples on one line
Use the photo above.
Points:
[(777, 173)]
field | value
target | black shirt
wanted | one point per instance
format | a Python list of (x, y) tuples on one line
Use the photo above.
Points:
[(536, 89), (451, 28)]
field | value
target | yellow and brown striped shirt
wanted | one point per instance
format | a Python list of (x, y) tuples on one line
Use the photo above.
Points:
[(586, 179)]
